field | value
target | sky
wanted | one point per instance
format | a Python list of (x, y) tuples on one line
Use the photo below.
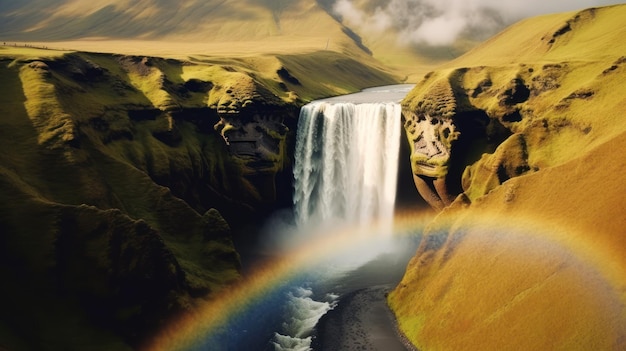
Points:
[(441, 22)]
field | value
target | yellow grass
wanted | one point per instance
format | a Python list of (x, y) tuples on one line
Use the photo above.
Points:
[(593, 37), (535, 262), (195, 28), (218, 29), (543, 271)]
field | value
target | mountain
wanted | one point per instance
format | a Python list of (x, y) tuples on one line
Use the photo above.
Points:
[(519, 144), (211, 28), (251, 26)]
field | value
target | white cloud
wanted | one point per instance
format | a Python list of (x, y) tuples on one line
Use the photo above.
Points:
[(440, 30), (379, 21), (440, 22)]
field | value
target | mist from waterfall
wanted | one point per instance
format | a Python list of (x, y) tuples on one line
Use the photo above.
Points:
[(346, 164)]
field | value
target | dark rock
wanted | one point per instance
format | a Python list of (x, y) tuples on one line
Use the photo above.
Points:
[(516, 93), (285, 75)]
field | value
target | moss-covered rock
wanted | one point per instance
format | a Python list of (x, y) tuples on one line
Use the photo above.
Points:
[(104, 147)]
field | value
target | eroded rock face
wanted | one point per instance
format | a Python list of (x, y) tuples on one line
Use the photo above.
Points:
[(430, 141), (254, 125), (448, 128), (430, 133), (431, 138), (257, 139)]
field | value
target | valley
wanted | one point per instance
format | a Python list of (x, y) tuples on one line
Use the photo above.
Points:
[(160, 191)]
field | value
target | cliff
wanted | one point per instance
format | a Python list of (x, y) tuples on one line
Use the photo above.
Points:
[(519, 144), (123, 180)]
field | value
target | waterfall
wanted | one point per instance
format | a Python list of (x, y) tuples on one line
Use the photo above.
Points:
[(346, 164), (345, 174)]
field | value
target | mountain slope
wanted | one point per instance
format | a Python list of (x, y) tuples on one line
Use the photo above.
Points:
[(528, 251), (216, 28), (591, 35), (293, 26)]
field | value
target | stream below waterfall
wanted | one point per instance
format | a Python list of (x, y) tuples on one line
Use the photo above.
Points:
[(345, 179)]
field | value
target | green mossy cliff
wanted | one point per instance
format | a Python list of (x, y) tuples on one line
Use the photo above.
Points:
[(119, 176), (103, 190), (502, 111)]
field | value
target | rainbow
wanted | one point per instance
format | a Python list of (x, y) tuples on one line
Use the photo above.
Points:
[(189, 332)]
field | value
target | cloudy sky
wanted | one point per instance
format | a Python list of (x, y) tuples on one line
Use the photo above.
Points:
[(440, 22)]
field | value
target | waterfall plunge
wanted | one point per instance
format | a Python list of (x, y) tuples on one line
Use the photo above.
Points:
[(346, 165)]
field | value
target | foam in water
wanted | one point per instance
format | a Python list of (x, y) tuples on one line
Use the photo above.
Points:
[(304, 314)]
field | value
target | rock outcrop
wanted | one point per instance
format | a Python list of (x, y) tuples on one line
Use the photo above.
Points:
[(254, 124), (472, 129), (446, 132)]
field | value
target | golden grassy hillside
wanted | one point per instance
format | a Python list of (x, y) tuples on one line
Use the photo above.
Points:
[(212, 28), (531, 254), (195, 27), (588, 35)]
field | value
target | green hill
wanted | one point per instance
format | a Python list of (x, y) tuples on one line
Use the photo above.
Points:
[(528, 251)]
